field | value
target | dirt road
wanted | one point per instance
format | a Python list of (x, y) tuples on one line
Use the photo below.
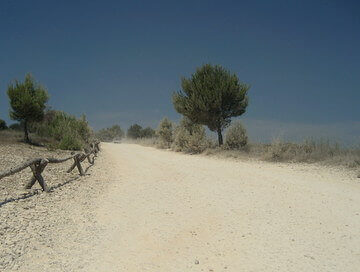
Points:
[(165, 211)]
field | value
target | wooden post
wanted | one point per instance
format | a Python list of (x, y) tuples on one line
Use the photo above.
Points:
[(78, 158), (78, 165), (97, 147), (72, 166), (37, 169), (89, 158)]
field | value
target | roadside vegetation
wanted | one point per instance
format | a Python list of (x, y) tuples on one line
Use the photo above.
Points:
[(114, 133), (41, 125), (211, 97)]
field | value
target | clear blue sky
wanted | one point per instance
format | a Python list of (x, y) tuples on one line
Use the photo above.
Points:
[(120, 61)]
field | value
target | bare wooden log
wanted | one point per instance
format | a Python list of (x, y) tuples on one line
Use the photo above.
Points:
[(37, 168), (21, 167), (78, 158), (53, 160)]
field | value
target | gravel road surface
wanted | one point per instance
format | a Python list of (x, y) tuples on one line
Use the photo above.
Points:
[(144, 209)]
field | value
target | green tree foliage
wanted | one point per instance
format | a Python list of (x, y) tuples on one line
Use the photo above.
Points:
[(236, 137), (110, 134), (147, 133), (189, 137), (27, 100), (68, 132), (211, 97), (134, 131), (2, 125), (165, 133)]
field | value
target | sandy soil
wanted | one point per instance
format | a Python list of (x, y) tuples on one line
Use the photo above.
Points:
[(143, 209)]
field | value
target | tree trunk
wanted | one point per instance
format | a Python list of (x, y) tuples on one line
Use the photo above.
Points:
[(220, 137), (26, 136)]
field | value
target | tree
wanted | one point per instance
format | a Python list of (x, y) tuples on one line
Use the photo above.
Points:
[(2, 125), (211, 97), (27, 100), (147, 133), (134, 131), (110, 134)]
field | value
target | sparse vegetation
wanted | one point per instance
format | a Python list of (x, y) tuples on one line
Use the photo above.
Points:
[(189, 137), (27, 101), (312, 151), (114, 133), (211, 97), (65, 131), (236, 137), (165, 133)]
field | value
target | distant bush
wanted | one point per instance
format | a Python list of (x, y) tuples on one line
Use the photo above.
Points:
[(236, 137), (66, 130), (189, 137), (110, 134), (134, 131), (147, 133), (165, 133), (3, 125)]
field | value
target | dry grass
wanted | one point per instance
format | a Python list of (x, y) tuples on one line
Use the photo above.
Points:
[(10, 136), (322, 152)]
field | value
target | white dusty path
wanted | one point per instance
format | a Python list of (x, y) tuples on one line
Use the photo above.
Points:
[(165, 211)]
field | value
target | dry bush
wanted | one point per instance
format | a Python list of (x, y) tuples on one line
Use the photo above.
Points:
[(165, 133), (236, 137), (189, 137), (313, 151)]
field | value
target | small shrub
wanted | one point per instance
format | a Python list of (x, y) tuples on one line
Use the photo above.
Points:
[(70, 142), (66, 131), (189, 137), (165, 133), (236, 137)]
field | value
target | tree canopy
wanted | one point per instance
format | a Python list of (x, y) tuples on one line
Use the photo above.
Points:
[(27, 101), (134, 131), (110, 134), (211, 97)]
